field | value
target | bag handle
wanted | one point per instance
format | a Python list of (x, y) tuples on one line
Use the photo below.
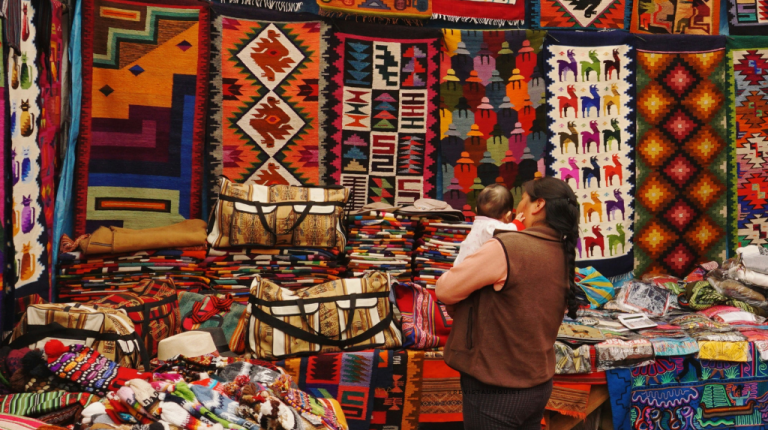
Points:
[(36, 333), (352, 309), (298, 333), (260, 211)]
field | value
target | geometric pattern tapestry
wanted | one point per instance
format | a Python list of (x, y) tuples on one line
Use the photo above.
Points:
[(577, 14), (492, 124), (681, 154), (262, 115), (591, 105), (676, 17), (748, 103), (748, 17), (145, 80), (379, 111), (30, 234)]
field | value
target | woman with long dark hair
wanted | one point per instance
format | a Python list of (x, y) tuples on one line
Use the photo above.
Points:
[(510, 298)]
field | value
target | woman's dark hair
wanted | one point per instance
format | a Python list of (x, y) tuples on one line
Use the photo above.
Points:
[(494, 201), (562, 214)]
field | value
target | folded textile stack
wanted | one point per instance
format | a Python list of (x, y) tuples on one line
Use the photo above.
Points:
[(85, 278), (381, 241), (232, 270), (438, 248)]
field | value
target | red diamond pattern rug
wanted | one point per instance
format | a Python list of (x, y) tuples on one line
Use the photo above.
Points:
[(681, 154)]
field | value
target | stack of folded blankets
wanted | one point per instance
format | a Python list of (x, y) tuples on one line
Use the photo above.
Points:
[(113, 259), (232, 270), (438, 248), (381, 241), (84, 278)]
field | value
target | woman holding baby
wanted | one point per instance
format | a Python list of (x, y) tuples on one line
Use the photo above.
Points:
[(509, 298)]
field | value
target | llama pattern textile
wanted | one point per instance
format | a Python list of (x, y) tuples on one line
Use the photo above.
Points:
[(747, 17), (747, 71), (577, 14), (140, 151), (30, 232), (492, 125), (700, 17), (378, 110), (262, 117), (591, 114), (681, 154)]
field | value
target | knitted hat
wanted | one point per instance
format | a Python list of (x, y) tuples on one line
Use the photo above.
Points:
[(221, 405), (13, 362), (94, 372)]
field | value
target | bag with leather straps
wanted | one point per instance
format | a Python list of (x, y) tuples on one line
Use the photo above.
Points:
[(109, 331), (278, 216), (341, 315), (152, 306)]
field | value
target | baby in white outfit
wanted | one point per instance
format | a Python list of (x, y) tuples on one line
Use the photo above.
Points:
[(494, 212)]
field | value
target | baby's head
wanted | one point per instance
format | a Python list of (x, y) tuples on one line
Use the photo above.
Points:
[(495, 201)]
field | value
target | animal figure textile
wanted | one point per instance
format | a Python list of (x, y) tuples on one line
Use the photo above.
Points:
[(676, 17), (591, 113), (262, 117), (378, 110), (492, 126), (747, 17), (145, 73), (576, 14), (688, 393), (748, 185), (681, 183), (30, 231)]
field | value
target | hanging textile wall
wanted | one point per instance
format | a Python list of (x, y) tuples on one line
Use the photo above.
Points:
[(379, 106), (747, 17), (145, 74), (262, 115), (687, 393), (389, 11), (676, 17), (5, 298), (681, 151), (50, 117), (494, 12), (591, 105), (30, 231), (579, 14), (491, 112), (748, 205)]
